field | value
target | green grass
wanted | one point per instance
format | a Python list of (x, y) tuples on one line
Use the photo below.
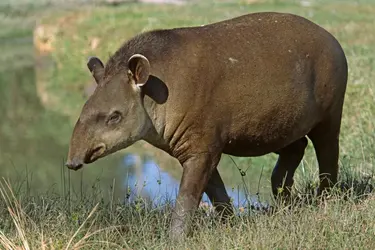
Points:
[(344, 221)]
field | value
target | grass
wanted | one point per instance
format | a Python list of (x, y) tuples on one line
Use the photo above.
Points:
[(345, 220)]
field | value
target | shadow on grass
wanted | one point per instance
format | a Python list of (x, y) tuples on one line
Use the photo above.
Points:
[(354, 185)]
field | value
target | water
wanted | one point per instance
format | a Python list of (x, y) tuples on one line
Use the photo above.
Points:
[(34, 144), (158, 185)]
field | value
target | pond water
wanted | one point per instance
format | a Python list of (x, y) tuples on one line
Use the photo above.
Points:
[(34, 144)]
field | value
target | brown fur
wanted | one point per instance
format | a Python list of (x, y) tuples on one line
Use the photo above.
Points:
[(248, 86)]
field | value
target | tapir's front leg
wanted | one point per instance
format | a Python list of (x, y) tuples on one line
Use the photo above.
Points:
[(196, 173)]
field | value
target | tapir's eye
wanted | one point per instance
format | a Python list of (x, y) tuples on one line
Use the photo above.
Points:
[(115, 117)]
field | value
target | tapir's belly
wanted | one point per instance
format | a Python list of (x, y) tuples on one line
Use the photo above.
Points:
[(264, 135), (245, 147)]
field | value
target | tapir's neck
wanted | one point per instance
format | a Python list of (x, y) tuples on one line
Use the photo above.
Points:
[(155, 135)]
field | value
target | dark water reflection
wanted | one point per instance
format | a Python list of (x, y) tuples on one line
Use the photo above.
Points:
[(34, 140)]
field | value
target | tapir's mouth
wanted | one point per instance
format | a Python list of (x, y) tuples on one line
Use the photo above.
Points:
[(77, 163), (96, 153), (91, 156)]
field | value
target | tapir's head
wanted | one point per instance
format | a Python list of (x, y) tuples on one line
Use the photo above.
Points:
[(113, 117)]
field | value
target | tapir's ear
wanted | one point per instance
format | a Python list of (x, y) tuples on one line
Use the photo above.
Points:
[(96, 68), (139, 69)]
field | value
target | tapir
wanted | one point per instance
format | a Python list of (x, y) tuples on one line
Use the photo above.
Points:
[(255, 84)]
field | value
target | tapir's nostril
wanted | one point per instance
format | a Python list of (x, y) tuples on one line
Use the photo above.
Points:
[(73, 165)]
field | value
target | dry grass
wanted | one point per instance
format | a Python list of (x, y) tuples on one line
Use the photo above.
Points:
[(343, 220), (23, 238)]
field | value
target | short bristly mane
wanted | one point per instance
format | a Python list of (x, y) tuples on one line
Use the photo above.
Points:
[(152, 44)]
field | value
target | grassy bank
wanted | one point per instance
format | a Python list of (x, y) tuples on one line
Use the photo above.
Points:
[(343, 221)]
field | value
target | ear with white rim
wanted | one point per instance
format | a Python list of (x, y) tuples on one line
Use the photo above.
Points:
[(139, 69), (96, 68)]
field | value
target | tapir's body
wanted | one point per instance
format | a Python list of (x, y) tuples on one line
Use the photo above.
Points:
[(248, 86)]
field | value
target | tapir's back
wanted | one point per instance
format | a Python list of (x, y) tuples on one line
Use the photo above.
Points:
[(267, 54)]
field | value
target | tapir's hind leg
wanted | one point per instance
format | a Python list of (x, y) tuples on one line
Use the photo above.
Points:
[(218, 195), (289, 159), (325, 138)]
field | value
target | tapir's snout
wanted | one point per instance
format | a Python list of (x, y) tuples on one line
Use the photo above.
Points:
[(77, 148), (74, 164)]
